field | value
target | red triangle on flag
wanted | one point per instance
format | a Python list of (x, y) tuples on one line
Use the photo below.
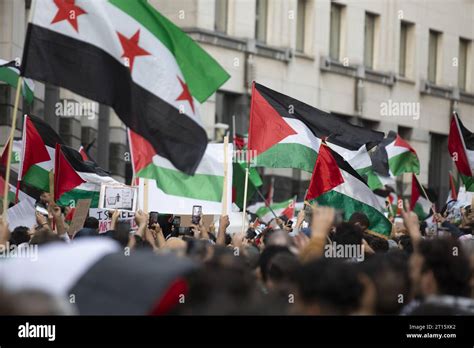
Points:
[(34, 149), (415, 191), (65, 177), (326, 174), (267, 126), (289, 212), (457, 149), (142, 151), (399, 141)]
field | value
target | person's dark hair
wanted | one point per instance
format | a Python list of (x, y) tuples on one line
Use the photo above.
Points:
[(228, 239), (389, 273), (406, 244), (91, 222), (450, 266), (333, 285), (44, 235), (282, 268), (251, 256), (360, 218), (267, 232), (19, 235), (266, 257), (378, 244), (347, 234)]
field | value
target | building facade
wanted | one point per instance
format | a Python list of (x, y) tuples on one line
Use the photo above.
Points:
[(401, 65)]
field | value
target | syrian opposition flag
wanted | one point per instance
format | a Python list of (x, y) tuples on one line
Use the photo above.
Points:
[(172, 191), (419, 202), (461, 149), (264, 212), (394, 156), (127, 55), (9, 73), (37, 158), (286, 133), (76, 179), (336, 184)]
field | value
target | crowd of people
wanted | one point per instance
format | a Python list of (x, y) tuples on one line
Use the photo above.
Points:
[(315, 265)]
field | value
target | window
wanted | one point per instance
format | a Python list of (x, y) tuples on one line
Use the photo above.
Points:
[(335, 32), (300, 25), (261, 20), (220, 16), (369, 36), (402, 66), (433, 56), (462, 63)]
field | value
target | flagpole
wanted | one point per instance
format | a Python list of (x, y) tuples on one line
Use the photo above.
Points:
[(10, 148), (244, 210), (266, 203), (224, 186), (426, 195)]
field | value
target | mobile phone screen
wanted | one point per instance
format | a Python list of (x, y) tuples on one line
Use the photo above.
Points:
[(153, 219), (196, 217)]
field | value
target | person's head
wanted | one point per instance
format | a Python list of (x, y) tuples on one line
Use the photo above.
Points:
[(405, 244), (20, 235), (378, 244), (91, 222), (348, 234), (266, 258), (440, 268), (44, 235), (361, 220), (45, 197), (281, 272), (389, 273), (329, 287), (278, 237)]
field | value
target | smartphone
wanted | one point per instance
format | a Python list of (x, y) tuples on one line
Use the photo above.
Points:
[(196, 216), (176, 221), (185, 231), (42, 210), (153, 219)]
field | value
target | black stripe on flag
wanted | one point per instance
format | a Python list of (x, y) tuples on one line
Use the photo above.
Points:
[(321, 124), (93, 73), (46, 132), (75, 160), (467, 135), (345, 166), (379, 157)]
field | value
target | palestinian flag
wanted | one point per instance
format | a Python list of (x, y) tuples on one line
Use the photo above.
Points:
[(37, 159), (453, 189), (127, 55), (76, 179), (264, 212), (389, 200), (336, 184), (394, 156), (461, 149), (10, 72), (419, 202), (286, 133), (173, 191)]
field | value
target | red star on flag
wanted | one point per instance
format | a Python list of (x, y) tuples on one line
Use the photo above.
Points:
[(69, 11), (131, 50), (185, 94)]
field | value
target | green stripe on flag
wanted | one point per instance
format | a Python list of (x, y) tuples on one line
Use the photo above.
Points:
[(202, 73), (406, 162), (10, 76), (70, 198), (378, 222), (198, 186), (288, 155), (37, 177)]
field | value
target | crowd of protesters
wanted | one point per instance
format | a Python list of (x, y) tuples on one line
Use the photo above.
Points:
[(312, 266)]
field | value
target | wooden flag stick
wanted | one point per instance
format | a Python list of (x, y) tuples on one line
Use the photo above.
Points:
[(10, 148), (226, 173), (244, 210), (145, 195), (426, 195)]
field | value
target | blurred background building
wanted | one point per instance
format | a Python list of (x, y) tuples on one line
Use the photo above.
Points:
[(351, 58)]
